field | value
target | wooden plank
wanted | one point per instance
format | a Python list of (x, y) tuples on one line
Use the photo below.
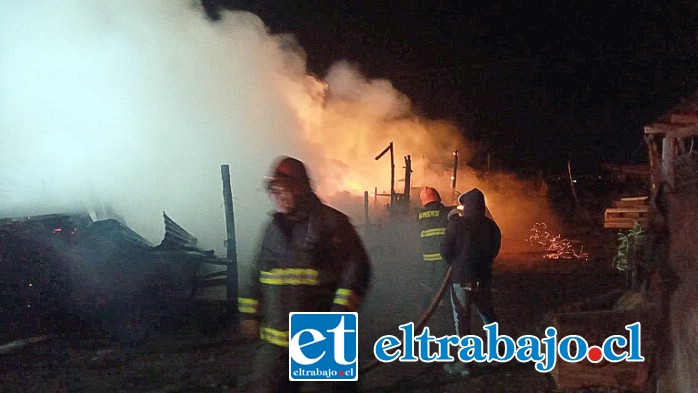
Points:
[(685, 132), (625, 219), (638, 198), (654, 130), (617, 225), (625, 215), (624, 224), (638, 201), (637, 209), (684, 118), (673, 130), (629, 216), (617, 204), (629, 223)]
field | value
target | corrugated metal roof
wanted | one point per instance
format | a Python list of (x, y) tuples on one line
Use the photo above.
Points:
[(176, 236)]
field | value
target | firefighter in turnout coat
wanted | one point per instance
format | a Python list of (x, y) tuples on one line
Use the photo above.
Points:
[(311, 260), (432, 220)]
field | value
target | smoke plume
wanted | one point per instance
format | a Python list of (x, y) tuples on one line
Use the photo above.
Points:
[(134, 106)]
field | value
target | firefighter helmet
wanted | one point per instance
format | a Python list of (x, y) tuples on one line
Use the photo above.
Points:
[(429, 194), (288, 169)]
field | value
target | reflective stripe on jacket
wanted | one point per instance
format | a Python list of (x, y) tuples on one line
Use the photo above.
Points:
[(315, 263), (432, 226)]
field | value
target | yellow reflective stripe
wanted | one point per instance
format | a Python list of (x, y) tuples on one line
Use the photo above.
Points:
[(247, 305), (290, 276), (432, 257), (276, 337), (433, 232), (347, 298), (247, 309)]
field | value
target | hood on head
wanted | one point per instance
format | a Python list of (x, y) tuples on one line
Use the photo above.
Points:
[(473, 203)]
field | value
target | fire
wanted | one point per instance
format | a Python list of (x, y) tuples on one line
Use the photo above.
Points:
[(555, 247), (355, 187)]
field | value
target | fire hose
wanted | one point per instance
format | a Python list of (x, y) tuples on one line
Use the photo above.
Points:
[(424, 316)]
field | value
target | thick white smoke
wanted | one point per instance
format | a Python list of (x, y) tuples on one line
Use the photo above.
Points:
[(135, 105)]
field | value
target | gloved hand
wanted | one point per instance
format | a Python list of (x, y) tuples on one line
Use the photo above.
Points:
[(249, 329)]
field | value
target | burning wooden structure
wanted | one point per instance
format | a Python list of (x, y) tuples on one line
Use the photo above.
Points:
[(69, 268)]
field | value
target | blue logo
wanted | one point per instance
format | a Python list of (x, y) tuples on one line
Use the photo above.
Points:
[(323, 346)]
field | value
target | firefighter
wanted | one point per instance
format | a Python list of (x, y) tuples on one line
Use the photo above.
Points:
[(432, 221), (471, 243), (311, 260)]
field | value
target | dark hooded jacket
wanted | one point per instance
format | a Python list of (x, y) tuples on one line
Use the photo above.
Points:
[(313, 261), (472, 241)]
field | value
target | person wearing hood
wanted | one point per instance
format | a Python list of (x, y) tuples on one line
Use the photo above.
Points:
[(471, 242)]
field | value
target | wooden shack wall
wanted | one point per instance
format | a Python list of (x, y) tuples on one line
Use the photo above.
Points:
[(678, 370)]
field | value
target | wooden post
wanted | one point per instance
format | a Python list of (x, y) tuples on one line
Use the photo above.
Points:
[(574, 192), (668, 161), (392, 171), (408, 176), (375, 199), (366, 218), (453, 178), (653, 151), (392, 175), (232, 267)]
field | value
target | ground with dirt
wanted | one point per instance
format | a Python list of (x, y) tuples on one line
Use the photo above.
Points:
[(526, 288)]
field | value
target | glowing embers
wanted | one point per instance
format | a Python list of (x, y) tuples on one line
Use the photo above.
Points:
[(555, 247)]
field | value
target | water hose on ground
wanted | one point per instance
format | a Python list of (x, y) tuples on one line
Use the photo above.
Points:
[(424, 316)]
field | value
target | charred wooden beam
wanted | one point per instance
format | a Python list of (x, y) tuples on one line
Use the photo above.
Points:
[(232, 278)]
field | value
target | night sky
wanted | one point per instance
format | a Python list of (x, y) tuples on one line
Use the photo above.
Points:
[(533, 83)]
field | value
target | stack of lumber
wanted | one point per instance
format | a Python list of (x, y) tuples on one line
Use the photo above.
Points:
[(625, 212)]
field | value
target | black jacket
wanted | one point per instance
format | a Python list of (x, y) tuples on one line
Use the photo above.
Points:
[(472, 241), (312, 262)]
